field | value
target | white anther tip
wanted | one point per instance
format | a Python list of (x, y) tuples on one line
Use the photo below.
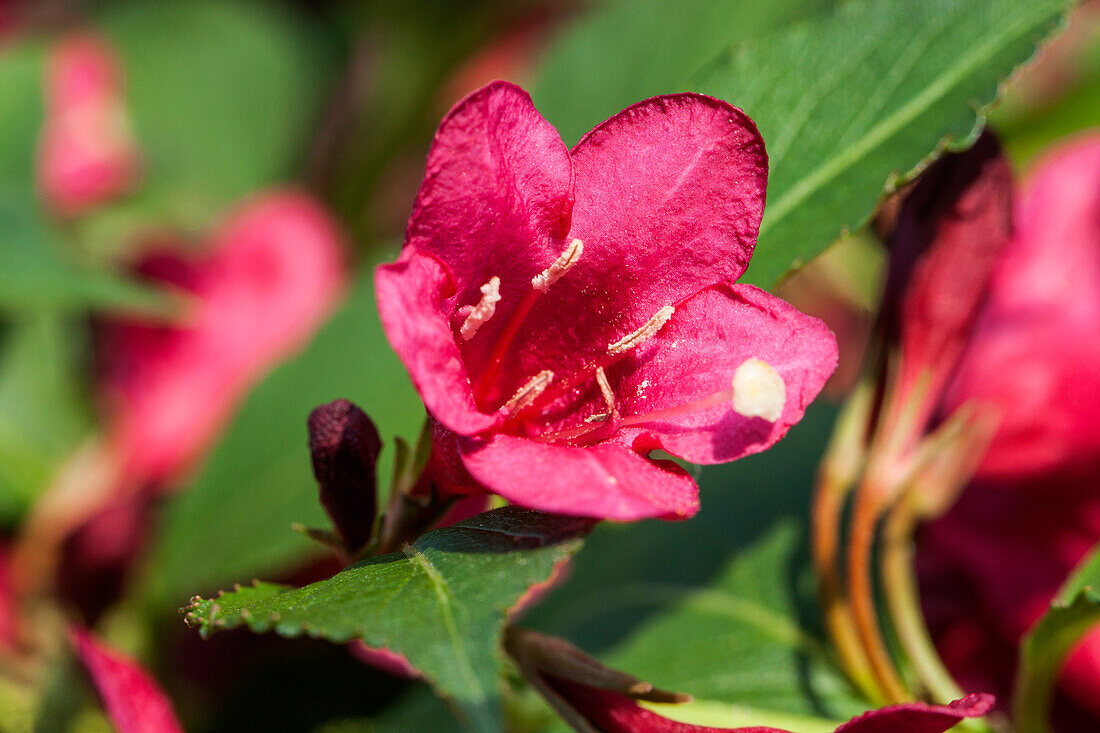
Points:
[(758, 390)]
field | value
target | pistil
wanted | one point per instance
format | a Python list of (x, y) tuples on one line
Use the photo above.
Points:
[(757, 390)]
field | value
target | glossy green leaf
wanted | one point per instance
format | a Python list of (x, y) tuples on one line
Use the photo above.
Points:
[(862, 97), (441, 602), (224, 95), (723, 606), (1072, 613), (233, 521)]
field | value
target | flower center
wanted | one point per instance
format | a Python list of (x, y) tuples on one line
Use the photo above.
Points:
[(756, 390)]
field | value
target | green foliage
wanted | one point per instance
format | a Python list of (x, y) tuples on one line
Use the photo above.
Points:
[(845, 108), (224, 96), (234, 520), (1072, 613), (21, 69), (722, 606), (37, 274), (628, 50), (441, 602), (416, 710), (44, 412), (849, 101)]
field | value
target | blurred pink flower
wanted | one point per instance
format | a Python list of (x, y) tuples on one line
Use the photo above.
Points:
[(564, 313), (87, 154), (268, 277), (991, 565), (133, 699)]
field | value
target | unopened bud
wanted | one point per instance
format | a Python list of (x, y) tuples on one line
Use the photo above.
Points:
[(345, 445)]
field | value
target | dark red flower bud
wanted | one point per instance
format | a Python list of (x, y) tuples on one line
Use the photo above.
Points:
[(951, 228), (345, 445)]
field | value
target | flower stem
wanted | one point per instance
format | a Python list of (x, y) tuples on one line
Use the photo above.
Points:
[(903, 601), (868, 508), (840, 467), (828, 503)]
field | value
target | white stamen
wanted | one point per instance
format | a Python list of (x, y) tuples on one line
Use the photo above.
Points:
[(565, 261), (758, 390), (529, 392), (608, 397), (483, 311), (643, 334)]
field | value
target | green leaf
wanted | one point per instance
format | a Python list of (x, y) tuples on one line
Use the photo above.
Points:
[(36, 273), (416, 710), (1072, 613), (864, 97), (441, 602), (723, 606), (852, 100), (21, 70), (223, 95), (44, 411), (234, 520)]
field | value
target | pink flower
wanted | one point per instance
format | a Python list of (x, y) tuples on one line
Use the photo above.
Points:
[(564, 313), (991, 566), (133, 699), (266, 280), (87, 153)]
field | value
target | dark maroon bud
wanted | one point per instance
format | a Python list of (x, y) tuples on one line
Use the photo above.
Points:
[(344, 444), (950, 231)]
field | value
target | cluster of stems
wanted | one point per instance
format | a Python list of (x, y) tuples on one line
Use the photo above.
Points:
[(893, 473)]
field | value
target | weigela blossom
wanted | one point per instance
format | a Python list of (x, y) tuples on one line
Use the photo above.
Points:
[(991, 566), (563, 313), (87, 154), (261, 285), (269, 275)]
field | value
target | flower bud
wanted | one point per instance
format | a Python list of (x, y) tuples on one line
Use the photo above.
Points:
[(345, 445), (951, 228)]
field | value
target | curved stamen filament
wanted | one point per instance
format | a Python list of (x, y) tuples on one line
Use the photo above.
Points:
[(526, 394), (539, 285), (615, 351)]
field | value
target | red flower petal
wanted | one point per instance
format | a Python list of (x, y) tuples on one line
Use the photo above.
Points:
[(495, 201), (134, 701), (1035, 352), (669, 196), (697, 354), (605, 480), (410, 294)]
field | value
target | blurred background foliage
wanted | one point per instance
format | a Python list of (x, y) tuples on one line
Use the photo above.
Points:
[(229, 97)]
